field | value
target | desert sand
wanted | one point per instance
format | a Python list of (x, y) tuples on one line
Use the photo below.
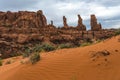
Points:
[(83, 63)]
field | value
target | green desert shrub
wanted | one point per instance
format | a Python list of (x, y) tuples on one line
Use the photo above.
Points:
[(43, 47), (97, 41), (48, 47), (22, 62), (61, 46), (35, 57), (117, 32), (27, 52), (1, 62), (14, 54), (8, 62), (25, 55), (88, 40), (37, 48), (85, 44)]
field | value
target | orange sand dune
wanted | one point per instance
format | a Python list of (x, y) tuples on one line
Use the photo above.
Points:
[(70, 64)]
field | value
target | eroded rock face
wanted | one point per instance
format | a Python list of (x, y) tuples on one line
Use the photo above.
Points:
[(80, 25), (22, 38), (27, 29), (23, 19), (65, 22), (94, 25), (41, 19)]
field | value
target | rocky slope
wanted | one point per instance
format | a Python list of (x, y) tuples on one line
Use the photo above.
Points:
[(95, 62)]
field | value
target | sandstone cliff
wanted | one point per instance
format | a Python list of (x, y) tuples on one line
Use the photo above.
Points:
[(22, 29), (23, 19)]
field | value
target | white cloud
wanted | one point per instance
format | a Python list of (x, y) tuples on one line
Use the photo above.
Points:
[(55, 9), (105, 12), (115, 25)]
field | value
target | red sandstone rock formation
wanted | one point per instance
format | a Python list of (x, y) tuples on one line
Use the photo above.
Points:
[(23, 19), (41, 19), (22, 38), (80, 25), (65, 22), (94, 25), (26, 29)]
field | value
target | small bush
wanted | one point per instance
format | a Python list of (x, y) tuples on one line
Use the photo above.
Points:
[(35, 57), (43, 47), (27, 53), (117, 32), (1, 62), (14, 54), (48, 47), (65, 46), (8, 62), (22, 62), (85, 44), (37, 48), (28, 50), (97, 41), (88, 40)]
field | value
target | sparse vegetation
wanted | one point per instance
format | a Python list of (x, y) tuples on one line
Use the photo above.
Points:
[(1, 62), (117, 32), (85, 44), (37, 48), (33, 53), (8, 62), (21, 62), (48, 47), (97, 41), (100, 53), (25, 55), (35, 57), (61, 46), (43, 47), (14, 54), (88, 40), (27, 52)]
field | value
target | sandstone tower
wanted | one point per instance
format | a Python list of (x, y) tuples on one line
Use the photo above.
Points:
[(65, 22), (80, 25), (94, 25)]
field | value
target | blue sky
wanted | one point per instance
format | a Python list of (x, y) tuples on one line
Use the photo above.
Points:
[(106, 11)]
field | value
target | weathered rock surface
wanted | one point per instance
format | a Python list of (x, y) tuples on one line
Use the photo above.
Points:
[(94, 25), (65, 22), (22, 29), (80, 25), (23, 19), (22, 38)]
